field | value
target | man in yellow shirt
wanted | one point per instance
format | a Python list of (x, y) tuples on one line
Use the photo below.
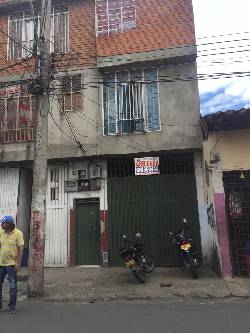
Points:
[(11, 251)]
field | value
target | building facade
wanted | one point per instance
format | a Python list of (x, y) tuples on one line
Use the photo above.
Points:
[(227, 181), (123, 86)]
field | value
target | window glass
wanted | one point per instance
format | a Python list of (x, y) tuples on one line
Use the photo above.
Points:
[(22, 27), (16, 108), (134, 99), (71, 90)]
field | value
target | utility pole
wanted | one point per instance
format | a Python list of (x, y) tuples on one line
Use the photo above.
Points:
[(38, 206)]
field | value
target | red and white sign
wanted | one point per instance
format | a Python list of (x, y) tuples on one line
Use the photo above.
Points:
[(147, 166)]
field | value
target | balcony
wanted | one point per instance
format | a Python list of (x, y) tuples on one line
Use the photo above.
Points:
[(12, 132)]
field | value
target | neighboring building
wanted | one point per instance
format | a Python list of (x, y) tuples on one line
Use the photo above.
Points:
[(226, 149), (124, 87)]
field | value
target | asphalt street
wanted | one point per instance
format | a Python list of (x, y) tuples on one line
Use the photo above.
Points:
[(173, 316)]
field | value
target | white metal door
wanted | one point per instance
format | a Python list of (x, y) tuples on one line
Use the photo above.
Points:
[(56, 239), (9, 182)]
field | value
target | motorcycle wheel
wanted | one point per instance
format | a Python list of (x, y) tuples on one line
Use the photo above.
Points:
[(193, 267), (147, 263), (139, 273)]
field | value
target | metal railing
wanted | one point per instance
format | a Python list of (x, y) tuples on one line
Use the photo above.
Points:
[(237, 202), (11, 132)]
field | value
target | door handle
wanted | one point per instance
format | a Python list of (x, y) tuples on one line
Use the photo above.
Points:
[(94, 228)]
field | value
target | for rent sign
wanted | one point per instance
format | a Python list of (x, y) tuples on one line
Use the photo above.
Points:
[(147, 166)]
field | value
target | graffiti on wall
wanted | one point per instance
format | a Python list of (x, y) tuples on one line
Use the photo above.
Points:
[(210, 215)]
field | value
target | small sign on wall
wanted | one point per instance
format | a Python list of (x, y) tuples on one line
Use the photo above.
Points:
[(147, 166), (70, 186)]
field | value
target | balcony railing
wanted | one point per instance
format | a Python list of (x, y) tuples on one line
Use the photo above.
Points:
[(11, 132)]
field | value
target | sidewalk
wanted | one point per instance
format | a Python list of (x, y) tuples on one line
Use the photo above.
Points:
[(91, 284)]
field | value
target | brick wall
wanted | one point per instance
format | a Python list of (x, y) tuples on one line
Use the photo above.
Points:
[(82, 40), (160, 24)]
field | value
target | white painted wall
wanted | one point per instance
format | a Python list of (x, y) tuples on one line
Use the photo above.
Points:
[(56, 230), (58, 212), (205, 229), (102, 194)]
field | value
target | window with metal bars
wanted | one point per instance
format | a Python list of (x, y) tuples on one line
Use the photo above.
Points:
[(131, 101), (16, 114), (169, 164), (71, 90), (115, 16), (54, 184), (25, 25), (237, 201)]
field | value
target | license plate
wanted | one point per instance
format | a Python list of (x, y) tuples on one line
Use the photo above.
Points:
[(130, 263), (185, 247)]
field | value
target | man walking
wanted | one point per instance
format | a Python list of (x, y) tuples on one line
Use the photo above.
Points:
[(11, 251)]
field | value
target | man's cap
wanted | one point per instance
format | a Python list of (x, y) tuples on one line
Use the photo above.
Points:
[(8, 219)]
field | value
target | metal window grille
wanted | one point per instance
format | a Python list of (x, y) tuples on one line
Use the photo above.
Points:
[(71, 90), (54, 184), (237, 202), (17, 119), (60, 29), (130, 108), (129, 101), (22, 32), (115, 15), (169, 164)]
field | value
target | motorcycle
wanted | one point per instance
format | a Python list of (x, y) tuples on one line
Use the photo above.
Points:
[(186, 250), (135, 258)]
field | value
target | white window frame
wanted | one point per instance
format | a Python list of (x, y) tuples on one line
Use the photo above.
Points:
[(10, 131), (144, 105), (122, 26), (131, 109), (28, 16), (72, 92), (23, 43), (66, 29), (54, 182)]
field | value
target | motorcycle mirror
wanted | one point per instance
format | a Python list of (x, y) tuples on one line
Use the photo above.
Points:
[(185, 221), (124, 236), (170, 233), (138, 235)]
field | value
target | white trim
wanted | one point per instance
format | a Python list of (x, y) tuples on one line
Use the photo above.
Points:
[(30, 17), (205, 230), (102, 99), (159, 104), (121, 26), (8, 40)]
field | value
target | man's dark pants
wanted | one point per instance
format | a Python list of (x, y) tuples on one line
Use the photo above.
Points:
[(12, 278)]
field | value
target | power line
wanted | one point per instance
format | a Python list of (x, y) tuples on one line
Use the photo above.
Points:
[(79, 144), (223, 35), (165, 79), (15, 64), (99, 125), (10, 99), (182, 47)]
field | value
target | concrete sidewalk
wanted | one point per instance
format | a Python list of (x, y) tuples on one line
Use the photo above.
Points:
[(92, 284)]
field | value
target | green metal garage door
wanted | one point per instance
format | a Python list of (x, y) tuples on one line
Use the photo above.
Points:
[(152, 205)]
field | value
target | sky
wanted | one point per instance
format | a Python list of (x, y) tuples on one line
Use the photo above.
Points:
[(226, 54)]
